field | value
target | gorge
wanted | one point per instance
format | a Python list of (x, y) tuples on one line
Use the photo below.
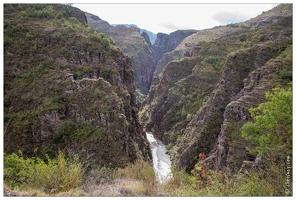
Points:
[(75, 83)]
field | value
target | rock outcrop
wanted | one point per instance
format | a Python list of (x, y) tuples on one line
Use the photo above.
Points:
[(165, 43), (134, 45)]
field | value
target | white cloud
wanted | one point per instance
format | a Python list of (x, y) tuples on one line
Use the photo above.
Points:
[(230, 17), (169, 17)]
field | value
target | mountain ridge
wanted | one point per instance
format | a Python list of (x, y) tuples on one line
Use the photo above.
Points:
[(152, 36), (194, 85)]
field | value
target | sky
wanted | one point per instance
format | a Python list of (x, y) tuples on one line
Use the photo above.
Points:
[(169, 17)]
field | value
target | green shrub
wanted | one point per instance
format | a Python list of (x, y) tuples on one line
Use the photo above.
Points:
[(216, 61), (272, 126), (261, 38), (245, 44), (106, 72), (56, 175), (286, 74), (221, 184), (182, 184), (73, 130), (97, 93), (16, 169), (52, 175), (78, 75)]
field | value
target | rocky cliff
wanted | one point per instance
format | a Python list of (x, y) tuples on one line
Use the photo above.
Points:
[(165, 43), (203, 89), (137, 46), (67, 87), (134, 45)]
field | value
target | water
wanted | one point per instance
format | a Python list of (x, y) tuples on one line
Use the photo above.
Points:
[(161, 160)]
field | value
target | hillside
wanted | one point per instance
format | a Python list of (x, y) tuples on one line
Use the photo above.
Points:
[(80, 97), (67, 87), (200, 97), (134, 45)]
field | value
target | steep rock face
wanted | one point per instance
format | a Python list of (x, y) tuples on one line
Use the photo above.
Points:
[(186, 47), (165, 43), (203, 130), (231, 146), (210, 35), (67, 87), (151, 36), (193, 118), (134, 45)]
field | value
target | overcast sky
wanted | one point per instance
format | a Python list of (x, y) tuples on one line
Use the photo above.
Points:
[(169, 17)]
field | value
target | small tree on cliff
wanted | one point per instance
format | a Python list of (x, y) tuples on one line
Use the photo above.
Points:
[(272, 127)]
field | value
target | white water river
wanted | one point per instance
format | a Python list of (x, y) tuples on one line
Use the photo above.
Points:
[(161, 160)]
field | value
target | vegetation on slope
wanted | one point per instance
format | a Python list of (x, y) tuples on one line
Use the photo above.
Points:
[(133, 44), (244, 62), (67, 86), (186, 104)]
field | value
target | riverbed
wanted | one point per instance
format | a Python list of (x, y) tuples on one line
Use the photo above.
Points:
[(161, 159)]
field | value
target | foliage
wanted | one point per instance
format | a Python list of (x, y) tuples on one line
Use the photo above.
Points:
[(272, 126), (52, 175), (139, 170), (16, 169), (101, 38), (216, 61), (221, 184), (142, 171), (205, 182), (73, 130), (246, 44), (140, 95), (182, 184), (106, 72)]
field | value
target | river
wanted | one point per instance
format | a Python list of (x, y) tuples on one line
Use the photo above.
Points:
[(161, 160)]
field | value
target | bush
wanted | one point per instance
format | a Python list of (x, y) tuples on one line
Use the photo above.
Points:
[(143, 172), (74, 130), (182, 184), (100, 38), (246, 44), (56, 175), (286, 74), (98, 93), (52, 175), (272, 126), (106, 73), (220, 184), (140, 170), (16, 169), (216, 61)]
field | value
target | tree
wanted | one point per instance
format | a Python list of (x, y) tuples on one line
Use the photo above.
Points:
[(272, 127)]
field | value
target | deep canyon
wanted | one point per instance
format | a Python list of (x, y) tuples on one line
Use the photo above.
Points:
[(72, 81)]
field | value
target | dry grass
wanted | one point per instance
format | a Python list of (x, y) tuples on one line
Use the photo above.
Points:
[(9, 192), (143, 173)]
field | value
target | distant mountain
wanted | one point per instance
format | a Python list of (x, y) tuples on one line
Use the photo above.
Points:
[(152, 36)]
